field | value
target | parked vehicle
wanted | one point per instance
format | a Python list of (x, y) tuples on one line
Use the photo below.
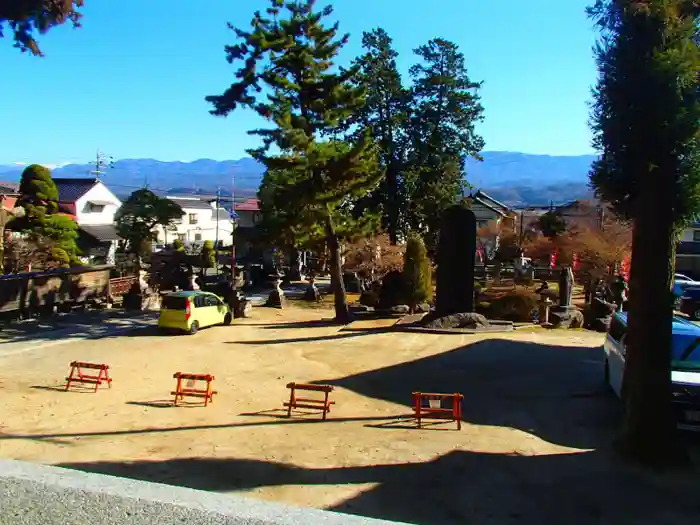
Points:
[(191, 310), (690, 302), (685, 366), (680, 283)]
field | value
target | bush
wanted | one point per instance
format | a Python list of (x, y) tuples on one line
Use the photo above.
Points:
[(516, 306), (208, 255), (416, 272), (178, 246), (369, 298)]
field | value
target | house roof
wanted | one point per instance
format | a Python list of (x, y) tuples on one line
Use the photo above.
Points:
[(8, 188), (102, 232), (488, 205), (70, 190), (191, 204), (484, 197), (248, 205)]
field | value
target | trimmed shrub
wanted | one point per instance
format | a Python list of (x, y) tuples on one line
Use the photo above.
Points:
[(516, 306), (208, 255), (416, 273)]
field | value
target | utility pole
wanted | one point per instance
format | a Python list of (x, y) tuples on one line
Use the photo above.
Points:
[(216, 235), (102, 163), (233, 232)]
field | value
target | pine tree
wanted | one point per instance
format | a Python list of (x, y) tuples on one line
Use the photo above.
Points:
[(416, 272), (27, 17), (646, 120), (292, 58), (140, 213), (41, 219), (446, 109), (385, 116), (208, 255)]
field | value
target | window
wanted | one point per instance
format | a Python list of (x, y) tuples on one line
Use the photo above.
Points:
[(94, 208), (177, 221), (192, 218), (197, 236), (181, 236), (696, 235)]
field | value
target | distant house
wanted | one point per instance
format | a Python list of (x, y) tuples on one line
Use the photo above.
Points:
[(487, 209), (249, 216), (200, 222), (688, 252), (9, 193), (92, 205)]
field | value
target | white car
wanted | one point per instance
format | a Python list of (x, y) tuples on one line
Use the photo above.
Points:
[(685, 366)]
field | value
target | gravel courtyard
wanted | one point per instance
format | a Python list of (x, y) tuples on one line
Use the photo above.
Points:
[(534, 447)]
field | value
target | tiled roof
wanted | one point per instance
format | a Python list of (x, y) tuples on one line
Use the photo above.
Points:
[(191, 204), (485, 197), (248, 205), (70, 190), (101, 232)]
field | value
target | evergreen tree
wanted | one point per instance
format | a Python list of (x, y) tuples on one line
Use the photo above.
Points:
[(178, 246), (140, 214), (446, 109), (25, 18), (208, 255), (646, 120), (292, 58), (39, 198), (385, 116), (551, 224), (416, 272)]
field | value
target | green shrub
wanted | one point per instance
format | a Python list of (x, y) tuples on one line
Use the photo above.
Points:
[(208, 255), (516, 306), (416, 272), (178, 246)]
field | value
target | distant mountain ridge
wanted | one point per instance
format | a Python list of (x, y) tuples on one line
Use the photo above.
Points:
[(518, 179)]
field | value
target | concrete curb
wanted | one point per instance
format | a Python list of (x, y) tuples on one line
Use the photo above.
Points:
[(32, 494)]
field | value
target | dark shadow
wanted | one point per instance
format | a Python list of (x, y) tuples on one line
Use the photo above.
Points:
[(341, 334), (166, 430), (458, 488), (59, 388), (316, 323), (164, 403), (554, 392)]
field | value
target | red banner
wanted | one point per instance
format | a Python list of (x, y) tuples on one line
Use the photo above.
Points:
[(576, 262), (625, 268), (553, 259)]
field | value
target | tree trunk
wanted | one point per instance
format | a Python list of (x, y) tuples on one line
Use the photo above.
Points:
[(649, 433), (342, 312), (392, 204)]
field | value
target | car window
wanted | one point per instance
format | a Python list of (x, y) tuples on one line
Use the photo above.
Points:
[(686, 353), (174, 302), (211, 300), (199, 301), (617, 329)]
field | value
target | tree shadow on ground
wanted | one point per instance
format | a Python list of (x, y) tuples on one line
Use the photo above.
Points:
[(554, 392), (458, 488), (340, 334)]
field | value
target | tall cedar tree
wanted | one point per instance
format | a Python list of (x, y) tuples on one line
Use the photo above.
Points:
[(25, 18), (384, 116), (307, 97), (140, 213), (446, 109), (646, 119)]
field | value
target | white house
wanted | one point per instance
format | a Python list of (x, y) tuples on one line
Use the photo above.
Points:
[(92, 205), (200, 222)]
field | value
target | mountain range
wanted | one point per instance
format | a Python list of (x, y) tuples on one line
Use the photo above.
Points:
[(517, 179)]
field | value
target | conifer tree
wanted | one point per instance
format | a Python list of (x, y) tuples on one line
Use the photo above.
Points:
[(290, 54), (646, 120), (446, 109), (417, 272)]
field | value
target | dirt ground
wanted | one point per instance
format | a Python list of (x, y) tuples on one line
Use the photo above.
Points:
[(534, 448)]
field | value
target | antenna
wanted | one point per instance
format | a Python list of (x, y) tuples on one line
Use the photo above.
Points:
[(102, 163)]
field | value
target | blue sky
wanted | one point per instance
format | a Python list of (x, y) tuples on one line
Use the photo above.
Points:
[(132, 80)]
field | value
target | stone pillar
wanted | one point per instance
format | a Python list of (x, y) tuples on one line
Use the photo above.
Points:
[(456, 254)]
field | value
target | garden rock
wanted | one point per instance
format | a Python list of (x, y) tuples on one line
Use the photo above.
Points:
[(399, 309), (567, 319), (462, 320)]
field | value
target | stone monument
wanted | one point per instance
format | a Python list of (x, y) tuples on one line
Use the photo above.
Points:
[(565, 315), (456, 254), (276, 298)]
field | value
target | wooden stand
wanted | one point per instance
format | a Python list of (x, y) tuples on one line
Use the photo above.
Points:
[(77, 376), (424, 412), (315, 404), (189, 390)]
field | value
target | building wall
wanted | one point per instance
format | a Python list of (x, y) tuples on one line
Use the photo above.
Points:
[(484, 215), (196, 226), (692, 234), (87, 214)]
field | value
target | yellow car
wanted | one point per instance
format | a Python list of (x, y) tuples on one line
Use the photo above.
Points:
[(190, 311)]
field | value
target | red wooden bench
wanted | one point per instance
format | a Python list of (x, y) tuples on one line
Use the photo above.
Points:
[(189, 388), (77, 374), (430, 406), (308, 402)]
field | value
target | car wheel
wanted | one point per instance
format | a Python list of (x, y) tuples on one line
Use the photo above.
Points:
[(227, 319), (194, 328), (696, 315)]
